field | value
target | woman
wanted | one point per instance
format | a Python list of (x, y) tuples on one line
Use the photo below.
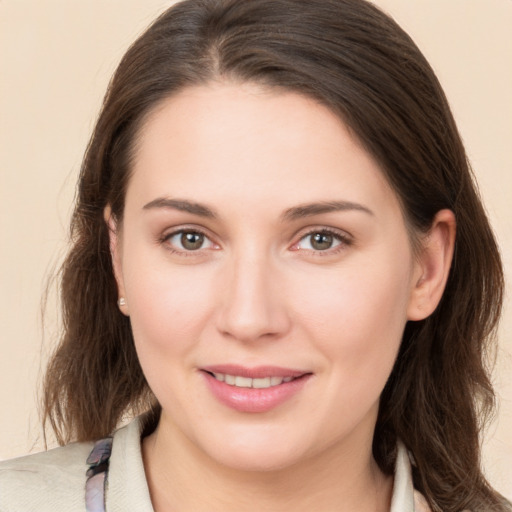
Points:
[(278, 254)]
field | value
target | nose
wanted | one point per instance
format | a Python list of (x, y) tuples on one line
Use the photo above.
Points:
[(252, 305)]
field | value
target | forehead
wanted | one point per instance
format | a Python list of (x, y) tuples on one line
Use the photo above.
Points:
[(245, 143)]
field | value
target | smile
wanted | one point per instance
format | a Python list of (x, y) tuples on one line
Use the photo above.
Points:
[(254, 390), (247, 382)]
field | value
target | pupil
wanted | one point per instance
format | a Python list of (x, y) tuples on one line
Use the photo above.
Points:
[(321, 241), (192, 241)]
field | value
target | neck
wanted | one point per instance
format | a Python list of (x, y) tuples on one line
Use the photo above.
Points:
[(343, 479)]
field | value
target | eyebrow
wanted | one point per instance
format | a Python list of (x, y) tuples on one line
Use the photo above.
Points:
[(291, 214), (182, 205), (308, 210)]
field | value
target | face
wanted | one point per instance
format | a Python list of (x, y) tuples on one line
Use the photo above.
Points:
[(268, 275)]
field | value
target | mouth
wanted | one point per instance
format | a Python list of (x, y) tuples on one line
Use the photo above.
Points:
[(254, 390)]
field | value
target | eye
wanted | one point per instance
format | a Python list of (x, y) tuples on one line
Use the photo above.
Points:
[(321, 240), (188, 241)]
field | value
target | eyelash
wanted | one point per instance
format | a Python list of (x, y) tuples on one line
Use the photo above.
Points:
[(343, 239)]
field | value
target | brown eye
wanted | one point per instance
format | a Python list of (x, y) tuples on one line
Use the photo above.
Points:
[(192, 241), (188, 241), (318, 241), (321, 241)]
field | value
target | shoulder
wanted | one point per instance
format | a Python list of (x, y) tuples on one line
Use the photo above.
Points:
[(47, 481)]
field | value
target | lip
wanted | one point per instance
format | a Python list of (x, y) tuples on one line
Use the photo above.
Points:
[(252, 400)]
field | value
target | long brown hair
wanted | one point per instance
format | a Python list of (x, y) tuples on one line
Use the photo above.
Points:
[(358, 62)]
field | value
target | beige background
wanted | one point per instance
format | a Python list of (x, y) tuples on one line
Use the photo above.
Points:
[(56, 57)]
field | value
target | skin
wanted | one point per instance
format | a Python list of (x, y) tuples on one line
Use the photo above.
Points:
[(259, 292)]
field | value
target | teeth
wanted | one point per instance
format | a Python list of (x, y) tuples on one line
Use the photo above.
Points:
[(246, 382), (262, 383), (243, 382)]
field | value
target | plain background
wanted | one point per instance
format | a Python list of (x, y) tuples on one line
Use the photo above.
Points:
[(56, 57)]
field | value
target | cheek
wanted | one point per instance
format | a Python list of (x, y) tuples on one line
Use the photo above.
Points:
[(357, 315), (168, 304), (169, 307)]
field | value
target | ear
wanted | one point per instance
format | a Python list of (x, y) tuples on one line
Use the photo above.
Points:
[(116, 255), (432, 266)]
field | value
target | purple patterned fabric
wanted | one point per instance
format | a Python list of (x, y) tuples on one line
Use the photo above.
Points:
[(97, 475)]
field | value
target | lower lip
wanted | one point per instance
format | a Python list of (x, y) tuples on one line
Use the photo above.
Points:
[(251, 399)]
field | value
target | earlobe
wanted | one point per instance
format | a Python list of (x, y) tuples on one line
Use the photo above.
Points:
[(115, 254), (432, 266)]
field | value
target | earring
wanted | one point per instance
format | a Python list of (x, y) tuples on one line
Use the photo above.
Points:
[(121, 302)]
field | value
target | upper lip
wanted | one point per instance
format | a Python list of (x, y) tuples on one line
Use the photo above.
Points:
[(256, 372)]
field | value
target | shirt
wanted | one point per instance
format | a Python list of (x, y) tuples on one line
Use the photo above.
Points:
[(54, 481)]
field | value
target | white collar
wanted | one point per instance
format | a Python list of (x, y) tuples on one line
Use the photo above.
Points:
[(403, 490), (405, 498)]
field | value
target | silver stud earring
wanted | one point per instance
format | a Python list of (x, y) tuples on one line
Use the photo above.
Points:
[(121, 302)]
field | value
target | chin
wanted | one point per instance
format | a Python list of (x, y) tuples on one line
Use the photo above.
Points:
[(262, 462), (255, 453)]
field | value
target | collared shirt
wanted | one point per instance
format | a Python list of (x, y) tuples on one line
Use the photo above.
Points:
[(54, 481)]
